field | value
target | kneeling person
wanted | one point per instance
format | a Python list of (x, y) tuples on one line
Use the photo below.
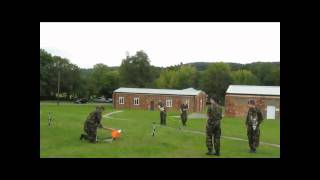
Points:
[(91, 124)]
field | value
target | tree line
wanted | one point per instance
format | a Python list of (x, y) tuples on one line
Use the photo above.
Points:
[(137, 71)]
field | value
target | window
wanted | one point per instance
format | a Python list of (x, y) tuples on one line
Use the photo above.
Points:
[(136, 101), (121, 100), (187, 100), (169, 103)]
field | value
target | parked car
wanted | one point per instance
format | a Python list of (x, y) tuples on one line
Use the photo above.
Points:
[(81, 101), (100, 100), (109, 100)]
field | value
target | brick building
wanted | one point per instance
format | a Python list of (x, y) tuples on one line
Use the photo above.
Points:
[(267, 99), (143, 98)]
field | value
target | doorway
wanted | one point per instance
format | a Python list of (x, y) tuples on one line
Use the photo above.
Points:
[(271, 112), (152, 105)]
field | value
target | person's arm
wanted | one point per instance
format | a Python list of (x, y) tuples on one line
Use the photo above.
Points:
[(247, 118), (98, 120), (219, 113), (209, 112), (260, 117)]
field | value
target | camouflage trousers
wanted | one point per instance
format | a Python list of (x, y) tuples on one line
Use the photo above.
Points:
[(163, 117), (213, 132), (91, 132), (184, 117), (253, 137)]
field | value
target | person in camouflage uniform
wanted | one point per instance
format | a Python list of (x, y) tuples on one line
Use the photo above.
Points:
[(163, 113), (184, 107), (213, 129), (91, 124), (253, 121)]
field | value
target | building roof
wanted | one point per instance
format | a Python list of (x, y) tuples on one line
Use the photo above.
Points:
[(256, 90), (189, 91)]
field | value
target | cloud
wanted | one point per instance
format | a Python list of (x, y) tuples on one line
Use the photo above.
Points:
[(86, 44)]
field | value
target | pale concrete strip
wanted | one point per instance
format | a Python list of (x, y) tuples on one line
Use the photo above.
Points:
[(114, 112), (109, 115), (191, 131), (226, 137)]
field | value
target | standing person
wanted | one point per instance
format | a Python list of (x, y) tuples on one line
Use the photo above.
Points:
[(162, 113), (213, 129), (253, 121), (91, 124), (165, 116), (184, 116)]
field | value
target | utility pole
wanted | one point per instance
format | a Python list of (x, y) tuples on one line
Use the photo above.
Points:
[(58, 86), (57, 65)]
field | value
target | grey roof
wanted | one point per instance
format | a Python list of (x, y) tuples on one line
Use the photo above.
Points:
[(258, 90), (189, 91)]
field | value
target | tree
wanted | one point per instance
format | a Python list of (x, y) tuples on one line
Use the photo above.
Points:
[(49, 70), (244, 77), (167, 79), (136, 71), (266, 72), (216, 79), (183, 77), (104, 81), (186, 77)]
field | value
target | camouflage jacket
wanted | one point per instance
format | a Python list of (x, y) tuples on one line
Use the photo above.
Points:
[(254, 117), (160, 104), (214, 113), (94, 119), (184, 108)]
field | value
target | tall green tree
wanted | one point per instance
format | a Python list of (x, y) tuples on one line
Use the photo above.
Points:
[(178, 78), (244, 77), (186, 77), (136, 71), (167, 79), (216, 79), (104, 81)]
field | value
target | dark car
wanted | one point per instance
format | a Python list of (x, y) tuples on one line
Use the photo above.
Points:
[(81, 101), (109, 100)]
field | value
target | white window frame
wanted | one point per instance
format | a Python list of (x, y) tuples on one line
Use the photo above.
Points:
[(136, 101), (188, 102), (121, 100), (169, 103)]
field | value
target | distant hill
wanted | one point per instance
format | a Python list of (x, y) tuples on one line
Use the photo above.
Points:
[(201, 66)]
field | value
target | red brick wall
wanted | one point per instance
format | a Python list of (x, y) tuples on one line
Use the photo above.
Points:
[(200, 101), (236, 105), (145, 101)]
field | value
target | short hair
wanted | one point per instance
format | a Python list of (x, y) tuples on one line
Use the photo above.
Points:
[(215, 99), (252, 102), (100, 107)]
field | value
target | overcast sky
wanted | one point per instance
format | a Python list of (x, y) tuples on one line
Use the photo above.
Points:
[(86, 44)]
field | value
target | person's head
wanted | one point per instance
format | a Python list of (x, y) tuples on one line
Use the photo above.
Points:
[(185, 101), (213, 100), (251, 103), (100, 108)]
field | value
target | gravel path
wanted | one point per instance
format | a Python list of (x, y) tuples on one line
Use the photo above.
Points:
[(194, 116)]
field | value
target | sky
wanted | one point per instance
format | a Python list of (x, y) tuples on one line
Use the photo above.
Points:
[(166, 44)]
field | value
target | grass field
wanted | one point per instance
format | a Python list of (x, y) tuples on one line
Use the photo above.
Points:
[(62, 138)]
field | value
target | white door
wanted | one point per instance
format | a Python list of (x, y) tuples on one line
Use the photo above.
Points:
[(271, 112)]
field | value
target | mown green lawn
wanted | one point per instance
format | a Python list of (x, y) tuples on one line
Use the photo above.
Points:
[(62, 138)]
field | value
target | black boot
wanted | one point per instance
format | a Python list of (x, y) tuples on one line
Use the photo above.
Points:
[(82, 136), (252, 151), (217, 153), (209, 152)]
